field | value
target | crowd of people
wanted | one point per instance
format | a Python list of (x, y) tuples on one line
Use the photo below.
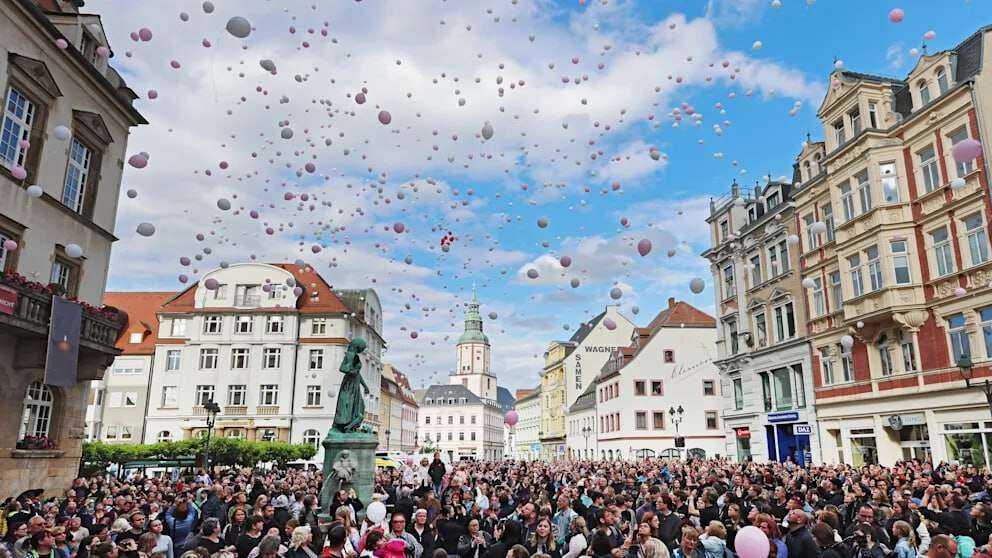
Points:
[(650, 508)]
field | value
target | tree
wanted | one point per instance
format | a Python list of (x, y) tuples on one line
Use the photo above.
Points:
[(98, 456)]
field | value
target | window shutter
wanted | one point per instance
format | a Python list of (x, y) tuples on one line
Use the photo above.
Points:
[(92, 182), (37, 140)]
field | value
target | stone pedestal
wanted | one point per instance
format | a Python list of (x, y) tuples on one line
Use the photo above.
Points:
[(361, 455)]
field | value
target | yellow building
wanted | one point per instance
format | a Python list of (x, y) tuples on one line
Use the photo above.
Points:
[(552, 433)]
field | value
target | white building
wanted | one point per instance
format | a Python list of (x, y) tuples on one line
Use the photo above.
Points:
[(265, 344), (594, 341), (581, 425), (527, 431), (668, 365), (465, 417)]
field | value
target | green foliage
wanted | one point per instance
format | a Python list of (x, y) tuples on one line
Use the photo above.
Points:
[(223, 451)]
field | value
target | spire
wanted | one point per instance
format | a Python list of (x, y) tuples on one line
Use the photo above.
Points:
[(473, 323)]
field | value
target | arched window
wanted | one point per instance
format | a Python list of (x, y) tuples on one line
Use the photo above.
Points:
[(268, 435), (234, 433), (38, 409), (696, 453), (924, 91), (311, 437), (164, 436), (808, 172), (942, 84)]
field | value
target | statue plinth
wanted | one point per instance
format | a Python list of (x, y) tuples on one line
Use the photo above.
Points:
[(355, 469)]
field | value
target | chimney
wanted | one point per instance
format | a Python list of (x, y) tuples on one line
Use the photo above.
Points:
[(671, 302)]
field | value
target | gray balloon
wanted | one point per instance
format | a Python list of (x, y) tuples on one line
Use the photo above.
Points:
[(208, 7), (487, 131), (697, 285), (286, 133), (268, 65), (239, 27), (224, 204)]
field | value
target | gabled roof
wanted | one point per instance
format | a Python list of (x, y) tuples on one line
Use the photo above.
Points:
[(449, 391), (585, 400), (141, 309), (681, 314), (586, 328)]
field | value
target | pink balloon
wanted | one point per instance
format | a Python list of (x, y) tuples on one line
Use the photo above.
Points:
[(966, 150), (610, 324), (644, 247), (413, 335), (211, 284), (930, 35), (20, 173), (896, 15), (183, 278), (384, 117), (102, 51), (62, 44), (145, 34), (9, 245), (152, 94), (399, 227), (624, 222), (752, 542), (138, 161), (183, 260), (175, 64), (360, 98), (565, 261), (511, 418), (316, 248)]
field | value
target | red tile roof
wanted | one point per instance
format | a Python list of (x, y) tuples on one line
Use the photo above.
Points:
[(141, 308), (681, 314)]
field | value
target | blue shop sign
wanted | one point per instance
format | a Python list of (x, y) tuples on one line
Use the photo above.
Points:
[(787, 416)]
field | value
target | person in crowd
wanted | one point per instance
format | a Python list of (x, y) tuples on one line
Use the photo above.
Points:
[(543, 539), (163, 543), (299, 543), (423, 533), (799, 541)]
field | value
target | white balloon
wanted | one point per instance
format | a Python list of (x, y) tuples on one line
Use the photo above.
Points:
[(35, 191), (847, 342), (376, 512), (73, 250), (697, 285), (808, 283), (958, 183), (61, 132), (487, 131)]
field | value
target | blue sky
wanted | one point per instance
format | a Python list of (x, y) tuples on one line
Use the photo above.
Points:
[(430, 170)]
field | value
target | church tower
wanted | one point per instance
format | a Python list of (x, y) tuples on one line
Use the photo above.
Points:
[(473, 356)]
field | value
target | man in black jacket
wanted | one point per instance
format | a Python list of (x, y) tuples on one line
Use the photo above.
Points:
[(670, 524), (423, 533), (436, 472), (799, 540)]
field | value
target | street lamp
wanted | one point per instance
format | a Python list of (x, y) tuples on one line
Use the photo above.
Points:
[(676, 416), (387, 439), (212, 409), (967, 371), (586, 431)]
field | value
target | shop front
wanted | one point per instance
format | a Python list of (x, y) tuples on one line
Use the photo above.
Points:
[(743, 436), (788, 439)]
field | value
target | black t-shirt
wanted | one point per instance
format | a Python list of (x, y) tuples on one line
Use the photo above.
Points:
[(247, 542), (213, 547)]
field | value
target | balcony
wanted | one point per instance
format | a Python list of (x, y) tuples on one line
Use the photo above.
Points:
[(885, 301), (247, 301), (267, 410), (235, 410), (868, 222), (27, 309)]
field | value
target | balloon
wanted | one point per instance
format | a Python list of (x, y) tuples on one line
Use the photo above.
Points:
[(62, 44), (818, 227), (61, 132), (316, 248), (183, 16), (413, 335), (208, 7), (19, 173), (152, 94), (808, 283), (752, 542), (696, 285), (574, 283), (138, 161), (35, 191), (223, 204), (487, 131), (792, 239), (616, 293), (610, 324), (9, 245), (644, 247), (756, 45), (73, 250), (145, 34), (532, 273), (624, 221), (565, 261), (399, 227), (376, 512), (847, 342), (930, 35), (492, 315), (297, 291), (211, 284), (384, 117), (239, 27), (896, 15), (966, 150), (286, 133), (511, 418), (146, 229), (542, 222), (636, 310), (268, 65), (960, 291)]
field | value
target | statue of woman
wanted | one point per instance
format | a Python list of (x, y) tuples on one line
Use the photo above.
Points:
[(350, 410)]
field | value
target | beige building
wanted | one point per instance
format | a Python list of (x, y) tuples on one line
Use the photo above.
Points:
[(894, 240), (397, 413), (552, 432), (66, 117), (527, 439)]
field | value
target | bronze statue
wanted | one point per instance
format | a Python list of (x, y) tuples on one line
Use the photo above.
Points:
[(350, 411)]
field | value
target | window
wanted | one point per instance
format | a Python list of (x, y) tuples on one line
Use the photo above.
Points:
[(657, 388), (239, 358), (773, 267), (243, 324), (271, 357), (785, 322), (64, 274), (640, 388), (247, 295), (709, 387), (855, 116), (111, 432), (212, 324), (900, 262), (839, 132), (827, 367), (760, 328), (36, 417), (461, 418), (641, 420), (847, 367), (668, 355), (451, 419), (311, 437), (204, 394), (724, 229), (76, 175), (874, 268), (873, 115), (427, 420), (755, 270), (267, 435), (978, 242), (658, 418), (890, 182), (313, 396), (268, 394), (885, 357), (316, 359), (732, 336), (857, 281), (928, 168), (908, 355), (766, 391), (170, 397), (7, 257), (782, 384), (237, 394), (18, 117), (728, 282), (985, 315), (812, 239), (130, 399), (738, 394), (783, 255), (942, 84), (220, 293), (772, 200), (799, 384), (924, 91), (836, 291), (208, 359), (236, 433), (173, 358), (819, 300), (943, 255), (864, 190), (473, 436), (711, 421), (827, 213), (136, 338), (847, 201), (965, 167), (164, 436), (273, 324), (960, 344), (318, 326), (178, 327)]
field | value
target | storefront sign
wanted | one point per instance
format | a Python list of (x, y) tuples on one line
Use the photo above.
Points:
[(802, 429), (909, 419), (787, 416), (8, 300), (743, 432)]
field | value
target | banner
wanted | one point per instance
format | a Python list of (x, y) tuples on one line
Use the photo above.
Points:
[(63, 343), (8, 300)]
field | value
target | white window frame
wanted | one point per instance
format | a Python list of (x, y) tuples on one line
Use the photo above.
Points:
[(819, 299), (268, 394), (240, 358), (885, 358), (178, 327), (275, 324), (755, 262), (827, 213), (203, 394), (864, 191), (847, 201), (962, 168), (38, 411), (170, 397), (318, 326), (929, 171), (900, 260), (812, 239), (24, 122), (316, 359), (978, 242), (244, 324), (924, 90), (873, 262), (237, 395), (729, 287), (313, 396), (855, 117), (943, 252), (839, 133), (76, 175), (209, 355), (271, 358), (908, 351), (827, 372), (213, 325), (857, 278), (312, 437), (760, 328), (943, 85)]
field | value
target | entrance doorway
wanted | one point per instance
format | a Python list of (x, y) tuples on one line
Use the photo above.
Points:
[(785, 445)]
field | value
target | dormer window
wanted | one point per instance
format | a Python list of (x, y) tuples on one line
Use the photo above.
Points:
[(839, 132), (942, 84), (772, 200), (924, 92), (855, 116), (873, 115), (752, 213), (807, 170)]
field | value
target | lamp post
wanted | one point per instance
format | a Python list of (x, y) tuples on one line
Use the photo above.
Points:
[(586, 431), (212, 409), (676, 416), (387, 439), (967, 371)]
